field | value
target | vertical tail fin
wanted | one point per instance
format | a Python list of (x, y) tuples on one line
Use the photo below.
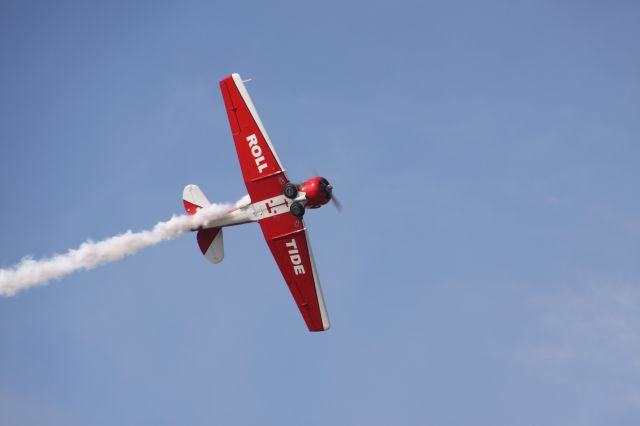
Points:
[(210, 241)]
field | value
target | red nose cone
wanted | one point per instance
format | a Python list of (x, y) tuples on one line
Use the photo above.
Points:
[(317, 190)]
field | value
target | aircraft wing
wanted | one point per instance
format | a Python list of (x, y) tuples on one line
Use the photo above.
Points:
[(287, 238), (262, 171), (265, 178)]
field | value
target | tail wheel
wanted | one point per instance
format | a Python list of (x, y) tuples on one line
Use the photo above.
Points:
[(290, 191), (297, 209)]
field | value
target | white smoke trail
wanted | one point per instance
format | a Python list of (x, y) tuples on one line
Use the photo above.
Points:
[(29, 273)]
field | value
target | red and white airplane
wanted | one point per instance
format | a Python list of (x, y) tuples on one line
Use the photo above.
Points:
[(276, 204)]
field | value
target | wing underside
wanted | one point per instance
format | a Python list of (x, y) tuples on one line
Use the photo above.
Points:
[(265, 178), (292, 252), (262, 171)]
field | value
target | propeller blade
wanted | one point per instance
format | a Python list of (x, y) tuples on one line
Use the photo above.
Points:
[(336, 202)]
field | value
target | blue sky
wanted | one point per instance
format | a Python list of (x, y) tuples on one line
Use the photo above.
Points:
[(484, 269)]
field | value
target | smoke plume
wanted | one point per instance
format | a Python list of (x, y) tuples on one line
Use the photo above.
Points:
[(29, 272)]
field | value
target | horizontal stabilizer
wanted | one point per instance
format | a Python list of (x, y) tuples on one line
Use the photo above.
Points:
[(193, 199), (211, 244), (210, 240)]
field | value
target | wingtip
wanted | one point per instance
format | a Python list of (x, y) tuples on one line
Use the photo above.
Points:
[(325, 326)]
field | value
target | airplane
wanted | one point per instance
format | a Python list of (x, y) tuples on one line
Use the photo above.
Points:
[(276, 203)]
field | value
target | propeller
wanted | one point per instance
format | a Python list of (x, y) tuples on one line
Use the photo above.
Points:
[(336, 202)]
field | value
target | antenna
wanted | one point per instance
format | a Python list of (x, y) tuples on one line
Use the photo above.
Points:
[(247, 80)]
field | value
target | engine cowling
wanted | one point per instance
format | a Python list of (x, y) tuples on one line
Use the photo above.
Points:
[(318, 191)]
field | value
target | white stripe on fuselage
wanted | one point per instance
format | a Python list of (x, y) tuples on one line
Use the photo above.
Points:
[(271, 207), (257, 211)]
